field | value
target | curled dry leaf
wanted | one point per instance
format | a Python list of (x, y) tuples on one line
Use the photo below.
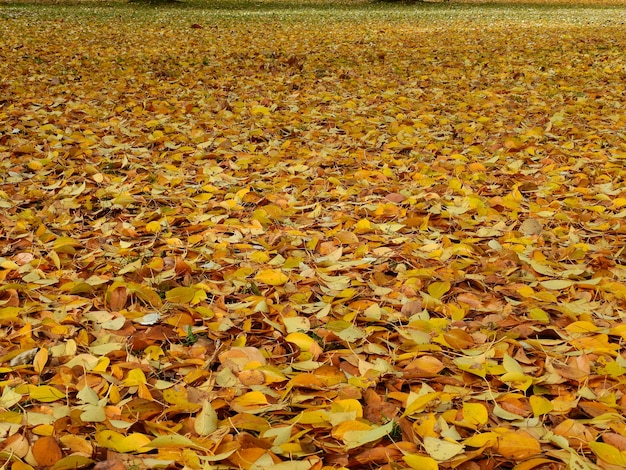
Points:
[(9, 298), (411, 308), (22, 259), (16, 445), (531, 227)]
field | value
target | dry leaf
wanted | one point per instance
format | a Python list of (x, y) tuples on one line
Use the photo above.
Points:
[(531, 227), (46, 451), (518, 445), (281, 239)]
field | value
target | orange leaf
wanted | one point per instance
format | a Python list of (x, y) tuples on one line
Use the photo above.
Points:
[(47, 451), (41, 358), (518, 445)]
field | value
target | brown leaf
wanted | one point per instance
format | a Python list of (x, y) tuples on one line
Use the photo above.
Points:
[(377, 455), (458, 339), (531, 227), (577, 368), (516, 406), (118, 298), (616, 440), (16, 445), (109, 465), (395, 197), (9, 298), (411, 308), (575, 432)]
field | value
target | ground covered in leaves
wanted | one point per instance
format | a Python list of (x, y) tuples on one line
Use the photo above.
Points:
[(274, 236)]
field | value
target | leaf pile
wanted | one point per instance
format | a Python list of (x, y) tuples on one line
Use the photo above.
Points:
[(367, 237)]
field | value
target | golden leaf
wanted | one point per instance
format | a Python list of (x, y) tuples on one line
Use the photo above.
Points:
[(272, 277), (518, 445)]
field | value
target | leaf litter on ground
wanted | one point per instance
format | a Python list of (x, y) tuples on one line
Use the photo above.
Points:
[(322, 236)]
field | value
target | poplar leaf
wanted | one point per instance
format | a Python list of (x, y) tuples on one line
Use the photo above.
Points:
[(438, 289), (206, 420), (272, 277)]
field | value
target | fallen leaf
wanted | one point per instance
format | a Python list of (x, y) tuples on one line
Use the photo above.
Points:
[(47, 451), (518, 445)]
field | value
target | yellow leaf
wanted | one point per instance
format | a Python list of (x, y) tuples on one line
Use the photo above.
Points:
[(250, 402), (485, 439), (10, 265), (206, 420), (65, 245), (525, 291), (145, 293), (153, 227), (45, 393), (619, 330), (363, 226), (426, 425), (272, 277), (475, 414), (93, 414), (121, 443), (608, 453), (347, 238), (539, 314), (71, 462), (582, 327), (354, 438), (259, 110), (349, 426), (185, 295), (9, 397), (260, 257), (178, 397), (619, 202), (19, 465), (8, 313), (123, 199), (438, 289), (305, 343), (347, 405), (175, 441), (318, 417), (421, 462), (417, 403), (556, 284), (440, 449), (134, 378)]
